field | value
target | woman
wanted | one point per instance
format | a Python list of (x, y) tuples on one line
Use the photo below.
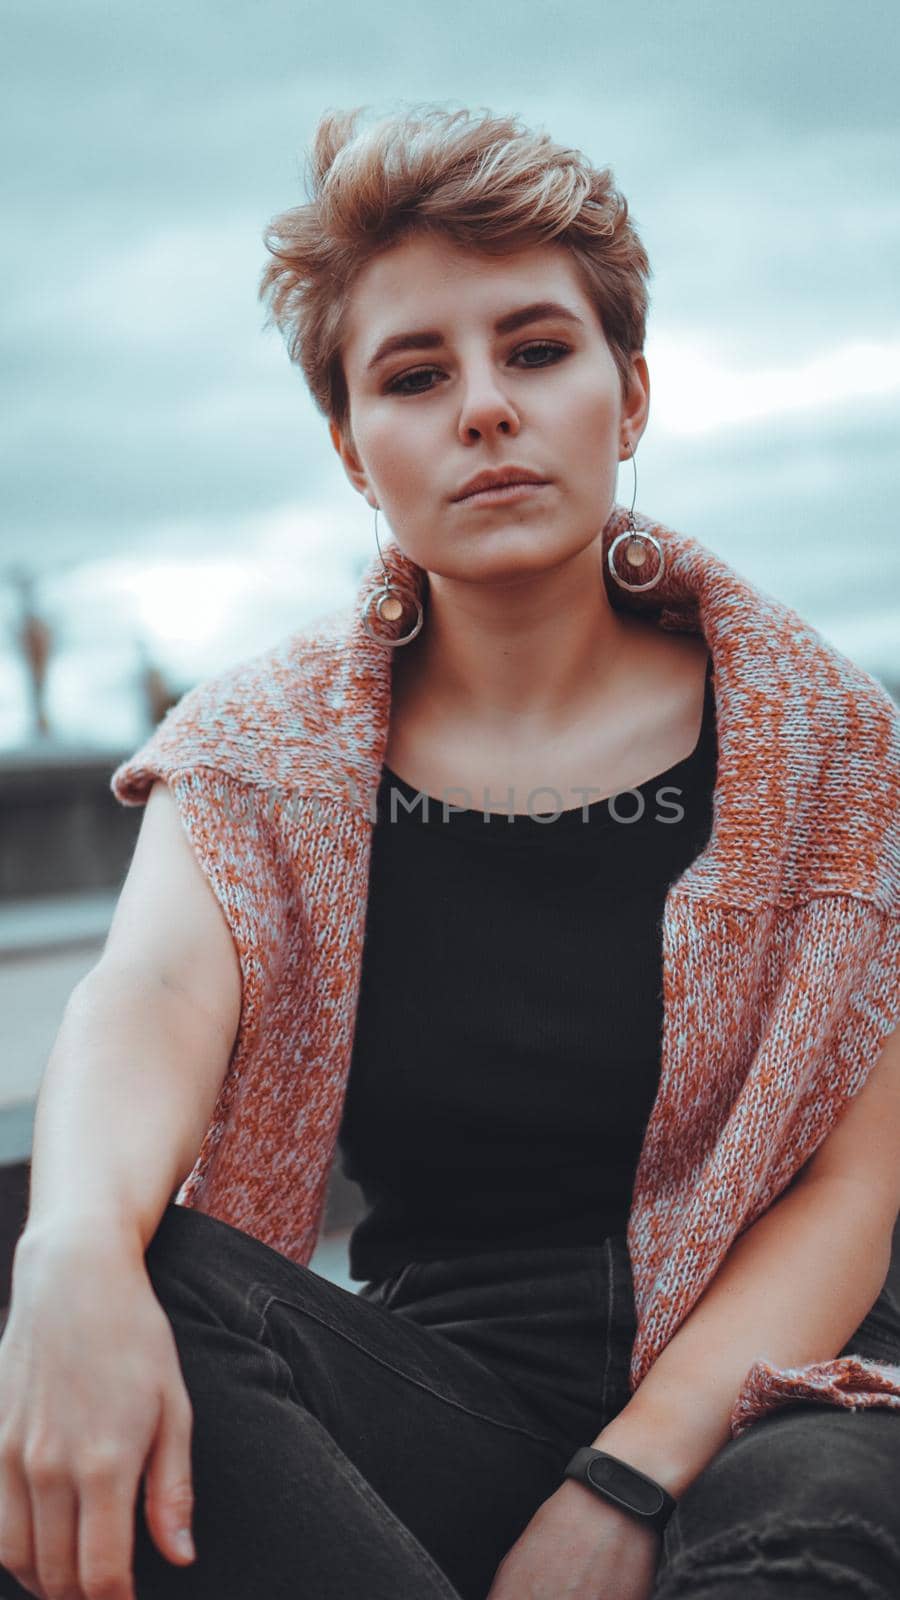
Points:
[(553, 890)]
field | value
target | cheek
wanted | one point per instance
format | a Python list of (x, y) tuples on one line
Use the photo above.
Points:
[(389, 442), (401, 464), (596, 412)]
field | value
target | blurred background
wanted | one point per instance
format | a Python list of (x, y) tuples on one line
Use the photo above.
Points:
[(171, 501)]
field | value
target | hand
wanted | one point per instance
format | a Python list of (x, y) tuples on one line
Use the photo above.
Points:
[(91, 1397), (580, 1546)]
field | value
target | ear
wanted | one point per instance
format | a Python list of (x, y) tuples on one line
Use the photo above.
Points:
[(343, 444), (636, 408)]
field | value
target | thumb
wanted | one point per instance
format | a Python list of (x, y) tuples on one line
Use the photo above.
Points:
[(168, 1486)]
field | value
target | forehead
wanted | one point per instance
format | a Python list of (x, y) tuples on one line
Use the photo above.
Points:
[(437, 283)]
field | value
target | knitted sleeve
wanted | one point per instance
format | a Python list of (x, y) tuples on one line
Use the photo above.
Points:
[(854, 1381), (779, 1010), (866, 1000)]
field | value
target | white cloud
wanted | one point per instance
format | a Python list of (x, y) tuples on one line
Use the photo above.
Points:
[(694, 392)]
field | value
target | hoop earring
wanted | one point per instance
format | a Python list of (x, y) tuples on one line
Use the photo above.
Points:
[(387, 605), (637, 547)]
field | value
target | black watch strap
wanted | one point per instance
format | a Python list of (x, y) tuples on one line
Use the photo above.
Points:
[(622, 1485)]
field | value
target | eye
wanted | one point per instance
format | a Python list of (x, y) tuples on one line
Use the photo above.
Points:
[(556, 350)]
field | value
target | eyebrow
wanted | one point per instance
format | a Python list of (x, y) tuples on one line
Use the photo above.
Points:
[(432, 338)]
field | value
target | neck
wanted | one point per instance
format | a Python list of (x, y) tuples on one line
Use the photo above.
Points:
[(536, 649)]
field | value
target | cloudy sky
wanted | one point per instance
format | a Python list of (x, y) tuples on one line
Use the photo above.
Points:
[(166, 478)]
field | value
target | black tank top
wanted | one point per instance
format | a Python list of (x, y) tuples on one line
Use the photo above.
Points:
[(507, 1042)]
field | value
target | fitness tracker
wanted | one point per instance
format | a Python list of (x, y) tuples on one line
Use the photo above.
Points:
[(622, 1485)]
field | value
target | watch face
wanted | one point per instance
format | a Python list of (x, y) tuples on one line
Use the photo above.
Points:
[(626, 1484)]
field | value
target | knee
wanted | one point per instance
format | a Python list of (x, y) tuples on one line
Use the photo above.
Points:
[(785, 1555), (815, 1461), (801, 1502)]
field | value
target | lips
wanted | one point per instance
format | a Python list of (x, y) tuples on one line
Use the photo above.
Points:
[(501, 479), (500, 492)]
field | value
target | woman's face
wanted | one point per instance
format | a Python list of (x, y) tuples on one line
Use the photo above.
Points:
[(467, 395)]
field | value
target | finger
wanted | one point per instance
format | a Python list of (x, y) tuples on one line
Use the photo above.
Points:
[(54, 1510), (16, 1534), (106, 1534), (168, 1484)]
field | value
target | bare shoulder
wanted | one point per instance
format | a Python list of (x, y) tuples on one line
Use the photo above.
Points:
[(665, 701), (684, 658), (685, 653)]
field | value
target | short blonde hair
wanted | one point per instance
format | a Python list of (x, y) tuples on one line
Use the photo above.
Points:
[(486, 182)]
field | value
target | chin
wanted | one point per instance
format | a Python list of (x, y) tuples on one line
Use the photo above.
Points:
[(501, 556)]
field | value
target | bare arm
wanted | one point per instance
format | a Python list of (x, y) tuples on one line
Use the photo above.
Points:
[(766, 1302), (833, 1225), (143, 1048), (92, 1396)]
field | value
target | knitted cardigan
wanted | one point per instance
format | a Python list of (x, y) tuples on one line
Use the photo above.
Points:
[(780, 941)]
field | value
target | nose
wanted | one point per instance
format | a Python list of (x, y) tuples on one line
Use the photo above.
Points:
[(486, 407)]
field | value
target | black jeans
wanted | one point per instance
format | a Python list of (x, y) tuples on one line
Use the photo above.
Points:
[(393, 1443)]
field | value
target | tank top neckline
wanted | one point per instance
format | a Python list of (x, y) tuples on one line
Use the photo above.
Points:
[(428, 810)]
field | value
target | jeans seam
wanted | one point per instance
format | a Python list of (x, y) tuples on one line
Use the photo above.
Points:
[(419, 1383), (278, 1364)]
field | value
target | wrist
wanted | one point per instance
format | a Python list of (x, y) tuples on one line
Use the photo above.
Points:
[(648, 1448), (593, 1505), (622, 1486), (85, 1235)]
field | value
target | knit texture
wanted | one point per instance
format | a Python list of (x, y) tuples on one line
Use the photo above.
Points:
[(780, 942)]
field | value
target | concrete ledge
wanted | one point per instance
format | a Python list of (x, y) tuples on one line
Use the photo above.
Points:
[(55, 922)]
